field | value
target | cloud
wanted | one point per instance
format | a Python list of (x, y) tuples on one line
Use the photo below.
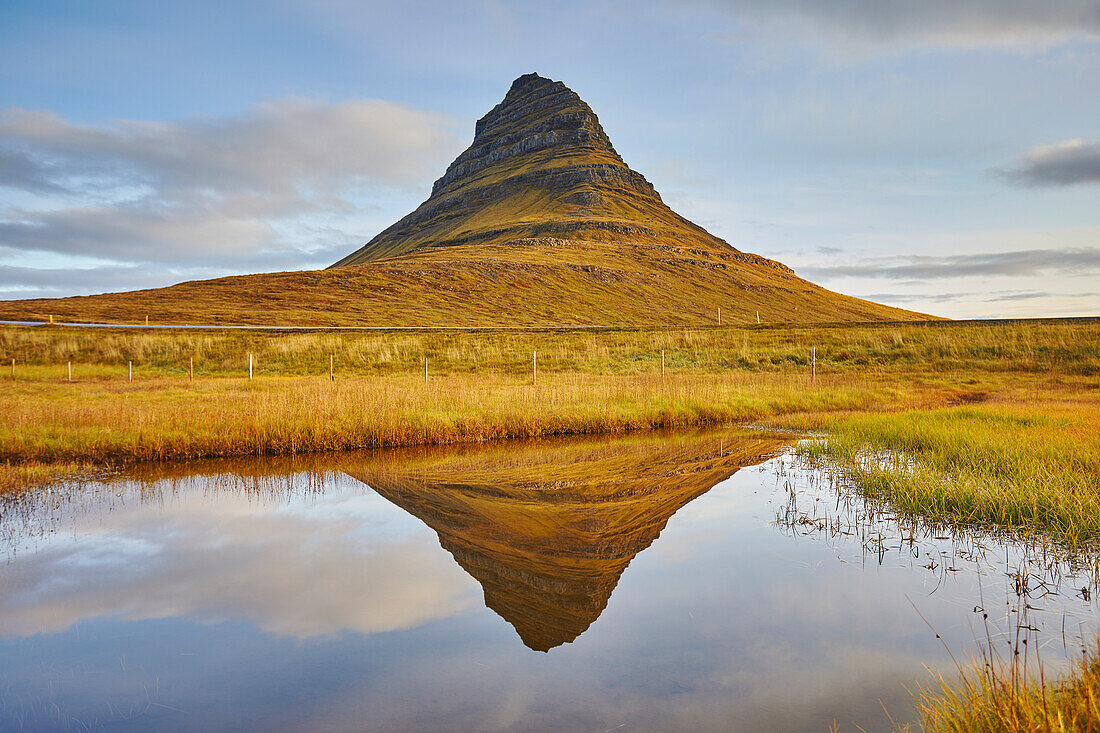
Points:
[(1061, 164), (997, 296), (34, 282), (273, 147), (212, 189), (1071, 260), (960, 23), (292, 566)]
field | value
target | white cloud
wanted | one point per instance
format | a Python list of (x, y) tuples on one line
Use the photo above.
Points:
[(286, 566), (210, 190), (1070, 260)]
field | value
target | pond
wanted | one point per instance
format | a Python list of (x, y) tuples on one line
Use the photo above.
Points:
[(657, 582)]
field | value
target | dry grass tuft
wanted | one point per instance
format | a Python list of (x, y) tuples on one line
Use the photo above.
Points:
[(1001, 698)]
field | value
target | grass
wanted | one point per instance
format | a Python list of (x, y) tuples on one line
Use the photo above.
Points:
[(964, 353), (1001, 698), (169, 419), (993, 423), (1024, 466), (479, 388), (528, 283)]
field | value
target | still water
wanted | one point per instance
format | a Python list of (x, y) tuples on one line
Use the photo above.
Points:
[(707, 581)]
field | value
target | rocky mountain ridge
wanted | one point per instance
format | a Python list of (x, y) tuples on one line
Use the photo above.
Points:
[(540, 165)]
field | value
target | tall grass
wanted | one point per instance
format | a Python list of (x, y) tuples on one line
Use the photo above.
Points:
[(1001, 698), (1023, 467), (479, 388), (166, 419), (1053, 348)]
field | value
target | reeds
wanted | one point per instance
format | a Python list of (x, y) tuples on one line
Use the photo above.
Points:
[(1022, 467), (997, 697), (100, 422)]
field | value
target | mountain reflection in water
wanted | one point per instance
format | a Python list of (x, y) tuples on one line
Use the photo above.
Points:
[(548, 530), (342, 592), (546, 527)]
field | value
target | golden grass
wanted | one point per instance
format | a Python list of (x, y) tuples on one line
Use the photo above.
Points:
[(479, 388), (167, 419), (587, 283), (1000, 698)]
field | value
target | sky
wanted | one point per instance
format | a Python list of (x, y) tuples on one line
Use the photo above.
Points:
[(942, 156)]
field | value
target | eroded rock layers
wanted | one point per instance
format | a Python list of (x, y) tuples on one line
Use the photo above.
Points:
[(540, 165)]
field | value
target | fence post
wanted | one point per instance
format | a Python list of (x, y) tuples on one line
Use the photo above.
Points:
[(719, 315), (70, 371), (534, 367), (146, 320), (331, 368), (758, 318), (131, 371), (250, 367), (191, 369)]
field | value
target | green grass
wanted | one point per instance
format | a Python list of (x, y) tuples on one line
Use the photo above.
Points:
[(1022, 467)]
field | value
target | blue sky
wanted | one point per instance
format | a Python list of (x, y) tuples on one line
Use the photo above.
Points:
[(942, 156)]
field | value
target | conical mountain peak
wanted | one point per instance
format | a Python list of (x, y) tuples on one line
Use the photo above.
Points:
[(540, 165), (525, 90), (537, 114)]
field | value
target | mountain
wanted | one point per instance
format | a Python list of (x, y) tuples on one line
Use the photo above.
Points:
[(538, 223), (540, 166), (548, 528)]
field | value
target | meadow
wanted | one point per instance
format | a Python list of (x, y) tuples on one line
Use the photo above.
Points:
[(481, 385)]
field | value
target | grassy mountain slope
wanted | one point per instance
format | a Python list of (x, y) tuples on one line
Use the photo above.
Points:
[(531, 283)]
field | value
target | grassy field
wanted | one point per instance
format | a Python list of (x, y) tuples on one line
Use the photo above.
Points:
[(967, 350), (1024, 462), (479, 384)]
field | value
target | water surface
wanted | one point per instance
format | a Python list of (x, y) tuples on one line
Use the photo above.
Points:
[(660, 582)]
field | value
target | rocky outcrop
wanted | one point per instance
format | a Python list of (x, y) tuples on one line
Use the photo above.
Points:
[(540, 164)]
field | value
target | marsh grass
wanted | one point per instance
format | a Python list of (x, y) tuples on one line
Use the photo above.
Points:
[(160, 419), (1022, 467), (479, 387), (999, 697)]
